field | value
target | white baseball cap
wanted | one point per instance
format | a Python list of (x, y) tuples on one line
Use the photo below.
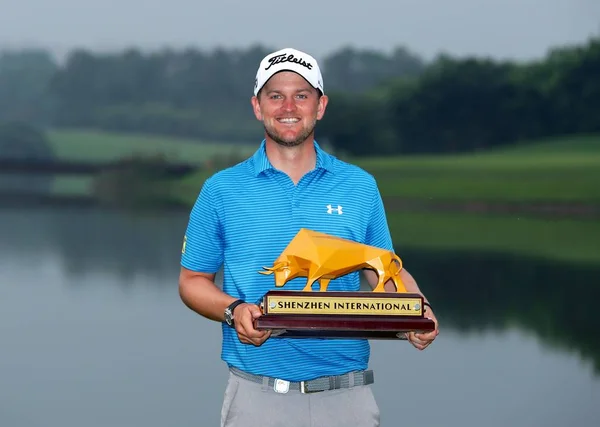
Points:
[(289, 59)]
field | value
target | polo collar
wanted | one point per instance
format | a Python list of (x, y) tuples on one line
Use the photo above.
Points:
[(261, 162)]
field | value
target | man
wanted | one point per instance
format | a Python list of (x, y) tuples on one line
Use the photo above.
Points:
[(242, 220)]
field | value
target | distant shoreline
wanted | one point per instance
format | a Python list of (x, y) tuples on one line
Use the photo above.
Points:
[(393, 204), (574, 210)]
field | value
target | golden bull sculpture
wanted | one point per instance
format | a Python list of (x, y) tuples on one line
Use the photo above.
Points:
[(322, 257)]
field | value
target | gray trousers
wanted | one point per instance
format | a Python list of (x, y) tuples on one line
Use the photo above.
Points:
[(249, 404)]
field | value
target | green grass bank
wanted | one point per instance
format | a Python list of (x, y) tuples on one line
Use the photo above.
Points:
[(423, 194)]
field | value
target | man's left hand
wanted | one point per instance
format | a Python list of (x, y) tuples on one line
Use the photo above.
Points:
[(422, 340)]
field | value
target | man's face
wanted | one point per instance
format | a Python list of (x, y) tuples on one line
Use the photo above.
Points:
[(289, 108)]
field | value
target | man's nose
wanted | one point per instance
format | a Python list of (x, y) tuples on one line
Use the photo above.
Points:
[(289, 104)]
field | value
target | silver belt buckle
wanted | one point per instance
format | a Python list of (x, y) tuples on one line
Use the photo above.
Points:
[(304, 390), (281, 386)]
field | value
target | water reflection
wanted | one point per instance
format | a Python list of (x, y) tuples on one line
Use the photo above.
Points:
[(93, 333), (93, 241), (473, 292), (479, 292)]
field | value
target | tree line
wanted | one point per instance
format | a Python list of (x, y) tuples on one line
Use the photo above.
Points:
[(381, 103), (470, 104)]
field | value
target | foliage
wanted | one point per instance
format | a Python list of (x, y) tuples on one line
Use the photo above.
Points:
[(380, 103), (134, 182), (188, 93), (21, 141), (473, 104), (24, 91), (350, 70)]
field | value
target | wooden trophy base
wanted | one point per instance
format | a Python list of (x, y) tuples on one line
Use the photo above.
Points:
[(368, 315)]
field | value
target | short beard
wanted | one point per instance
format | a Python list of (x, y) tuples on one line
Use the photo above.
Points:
[(294, 143)]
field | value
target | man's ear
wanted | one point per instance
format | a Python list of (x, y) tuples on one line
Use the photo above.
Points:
[(256, 108), (323, 101)]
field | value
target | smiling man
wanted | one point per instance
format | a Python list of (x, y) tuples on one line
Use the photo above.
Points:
[(243, 218)]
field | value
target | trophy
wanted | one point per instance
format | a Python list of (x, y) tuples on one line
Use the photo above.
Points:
[(320, 258)]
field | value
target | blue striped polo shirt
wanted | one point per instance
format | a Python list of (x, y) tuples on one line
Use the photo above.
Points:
[(242, 220)]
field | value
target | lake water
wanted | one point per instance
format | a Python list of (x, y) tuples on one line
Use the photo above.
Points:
[(93, 333)]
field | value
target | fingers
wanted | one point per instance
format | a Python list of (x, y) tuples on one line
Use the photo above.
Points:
[(428, 336), (418, 343), (421, 340), (244, 325)]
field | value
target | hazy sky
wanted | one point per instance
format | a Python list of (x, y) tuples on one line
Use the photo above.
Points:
[(501, 28)]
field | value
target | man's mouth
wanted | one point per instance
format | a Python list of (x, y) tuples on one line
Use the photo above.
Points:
[(288, 120)]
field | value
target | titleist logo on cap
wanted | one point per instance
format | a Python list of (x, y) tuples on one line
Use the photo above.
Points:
[(278, 59)]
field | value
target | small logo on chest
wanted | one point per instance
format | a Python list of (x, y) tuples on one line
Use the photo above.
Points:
[(331, 210)]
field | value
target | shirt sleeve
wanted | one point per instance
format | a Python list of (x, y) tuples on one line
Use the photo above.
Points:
[(378, 232), (203, 241)]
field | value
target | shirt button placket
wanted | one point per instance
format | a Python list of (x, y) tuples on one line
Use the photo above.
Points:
[(296, 216)]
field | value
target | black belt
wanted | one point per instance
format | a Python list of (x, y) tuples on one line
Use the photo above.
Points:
[(348, 380)]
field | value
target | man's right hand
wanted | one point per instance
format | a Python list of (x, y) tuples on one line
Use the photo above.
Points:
[(244, 315)]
